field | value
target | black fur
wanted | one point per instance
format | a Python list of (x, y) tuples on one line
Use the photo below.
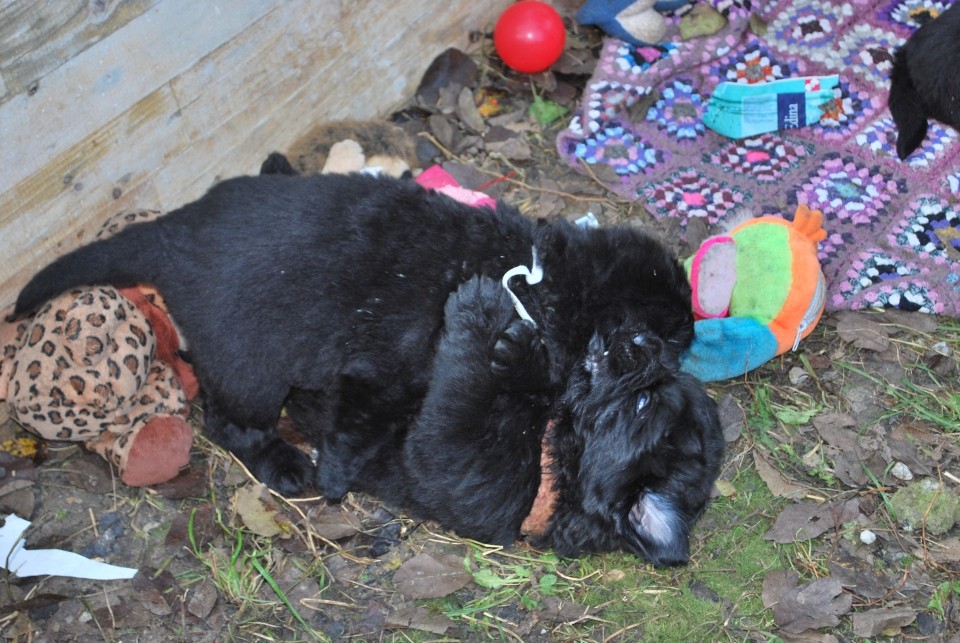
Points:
[(925, 81), (373, 309)]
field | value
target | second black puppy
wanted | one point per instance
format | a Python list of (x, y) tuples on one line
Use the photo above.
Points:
[(374, 309), (925, 82)]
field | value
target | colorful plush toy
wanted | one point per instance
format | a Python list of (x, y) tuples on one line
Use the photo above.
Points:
[(757, 291), (100, 366)]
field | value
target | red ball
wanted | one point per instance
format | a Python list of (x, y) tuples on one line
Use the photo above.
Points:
[(529, 36)]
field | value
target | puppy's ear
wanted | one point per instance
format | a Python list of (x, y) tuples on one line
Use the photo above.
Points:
[(906, 107), (277, 163), (662, 529)]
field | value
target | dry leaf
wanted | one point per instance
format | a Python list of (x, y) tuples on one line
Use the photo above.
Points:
[(944, 551), (424, 576), (862, 332), (153, 601), (873, 622), (731, 417), (836, 429), (451, 67), (918, 323), (776, 482), (806, 520), (419, 618), (259, 513), (191, 483), (725, 488), (810, 636), (203, 596), (797, 608), (333, 522), (859, 576), (516, 149), (468, 112), (560, 610)]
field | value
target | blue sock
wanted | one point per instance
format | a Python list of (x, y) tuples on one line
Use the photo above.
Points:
[(738, 110)]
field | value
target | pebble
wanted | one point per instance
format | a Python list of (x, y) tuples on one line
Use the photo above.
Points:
[(867, 537), (798, 375), (900, 471), (941, 348)]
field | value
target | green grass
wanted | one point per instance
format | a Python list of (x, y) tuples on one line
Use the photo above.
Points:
[(935, 401), (505, 578), (240, 573), (729, 561)]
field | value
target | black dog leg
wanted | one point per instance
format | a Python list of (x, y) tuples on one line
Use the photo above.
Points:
[(487, 405), (906, 106), (367, 417), (280, 466)]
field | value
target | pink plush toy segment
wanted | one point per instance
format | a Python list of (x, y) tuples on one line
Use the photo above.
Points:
[(713, 274)]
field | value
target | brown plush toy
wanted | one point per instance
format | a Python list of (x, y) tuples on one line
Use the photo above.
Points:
[(347, 146), (100, 366)]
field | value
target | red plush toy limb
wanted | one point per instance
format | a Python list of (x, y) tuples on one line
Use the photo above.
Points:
[(150, 303)]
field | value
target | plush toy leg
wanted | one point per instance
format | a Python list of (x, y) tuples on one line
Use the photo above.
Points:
[(153, 453), (345, 157), (160, 450), (150, 439)]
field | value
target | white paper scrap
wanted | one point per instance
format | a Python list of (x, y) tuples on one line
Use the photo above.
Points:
[(49, 562)]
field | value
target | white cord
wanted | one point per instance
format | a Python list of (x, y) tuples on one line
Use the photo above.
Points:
[(533, 274)]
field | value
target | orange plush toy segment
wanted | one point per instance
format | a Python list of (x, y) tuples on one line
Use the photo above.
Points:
[(779, 282)]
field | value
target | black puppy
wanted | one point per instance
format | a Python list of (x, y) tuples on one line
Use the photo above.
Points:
[(374, 309), (925, 82)]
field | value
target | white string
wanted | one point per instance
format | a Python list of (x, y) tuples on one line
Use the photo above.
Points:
[(533, 274)]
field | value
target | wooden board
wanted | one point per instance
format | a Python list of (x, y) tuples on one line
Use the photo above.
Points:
[(149, 102)]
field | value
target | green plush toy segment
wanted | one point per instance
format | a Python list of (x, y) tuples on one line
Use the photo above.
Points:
[(764, 272)]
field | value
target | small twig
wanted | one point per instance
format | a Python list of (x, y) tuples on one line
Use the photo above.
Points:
[(440, 146), (592, 175), (311, 602), (501, 629), (93, 522), (621, 631)]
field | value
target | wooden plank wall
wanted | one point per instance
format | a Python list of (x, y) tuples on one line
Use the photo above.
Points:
[(116, 104)]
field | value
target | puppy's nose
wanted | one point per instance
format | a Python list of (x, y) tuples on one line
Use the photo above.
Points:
[(636, 353)]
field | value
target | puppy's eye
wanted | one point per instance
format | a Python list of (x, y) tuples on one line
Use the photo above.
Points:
[(639, 339), (642, 400)]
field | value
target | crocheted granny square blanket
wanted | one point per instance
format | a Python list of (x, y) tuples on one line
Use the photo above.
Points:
[(893, 226)]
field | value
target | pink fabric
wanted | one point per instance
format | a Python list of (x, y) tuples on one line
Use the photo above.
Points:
[(695, 284), (438, 179)]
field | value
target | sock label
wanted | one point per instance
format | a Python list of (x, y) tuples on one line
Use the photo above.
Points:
[(791, 110)]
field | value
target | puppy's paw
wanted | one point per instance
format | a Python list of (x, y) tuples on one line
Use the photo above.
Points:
[(284, 468), (478, 308), (519, 356)]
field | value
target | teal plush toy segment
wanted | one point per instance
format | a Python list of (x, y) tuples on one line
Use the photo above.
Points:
[(727, 347)]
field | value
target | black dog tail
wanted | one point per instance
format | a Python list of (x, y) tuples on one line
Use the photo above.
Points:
[(907, 108), (125, 259)]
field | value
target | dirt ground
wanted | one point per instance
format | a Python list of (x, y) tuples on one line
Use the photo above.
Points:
[(809, 537)]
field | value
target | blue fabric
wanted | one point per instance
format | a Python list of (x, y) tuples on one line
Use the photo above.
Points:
[(603, 14), (727, 347), (670, 5)]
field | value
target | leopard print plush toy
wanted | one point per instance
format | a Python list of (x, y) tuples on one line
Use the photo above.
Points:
[(100, 366)]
